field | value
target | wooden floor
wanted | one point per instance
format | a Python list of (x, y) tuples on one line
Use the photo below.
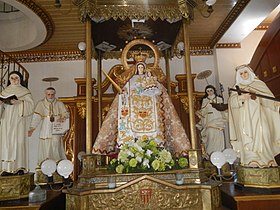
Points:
[(238, 198), (55, 200)]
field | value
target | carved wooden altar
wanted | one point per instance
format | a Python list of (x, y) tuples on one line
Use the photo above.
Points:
[(146, 192)]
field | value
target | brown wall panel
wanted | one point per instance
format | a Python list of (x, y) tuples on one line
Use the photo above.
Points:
[(266, 59), (265, 67)]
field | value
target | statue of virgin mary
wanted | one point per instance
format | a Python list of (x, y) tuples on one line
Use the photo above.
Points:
[(142, 110)]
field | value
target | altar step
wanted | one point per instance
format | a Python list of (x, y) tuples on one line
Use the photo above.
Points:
[(238, 198)]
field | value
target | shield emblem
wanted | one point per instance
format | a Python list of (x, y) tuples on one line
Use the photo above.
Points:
[(145, 195)]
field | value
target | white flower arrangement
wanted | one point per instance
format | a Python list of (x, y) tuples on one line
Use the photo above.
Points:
[(145, 156)]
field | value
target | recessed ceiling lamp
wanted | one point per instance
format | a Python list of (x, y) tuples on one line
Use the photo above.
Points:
[(133, 21), (163, 46), (57, 3), (105, 46)]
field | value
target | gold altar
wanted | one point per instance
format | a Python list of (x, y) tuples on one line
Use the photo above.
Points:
[(146, 191), (156, 190)]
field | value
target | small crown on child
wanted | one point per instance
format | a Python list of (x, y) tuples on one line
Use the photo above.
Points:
[(140, 56), (150, 83)]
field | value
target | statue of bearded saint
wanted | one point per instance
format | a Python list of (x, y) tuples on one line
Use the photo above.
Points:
[(142, 110)]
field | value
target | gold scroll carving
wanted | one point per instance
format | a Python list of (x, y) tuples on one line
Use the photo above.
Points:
[(147, 193), (82, 109)]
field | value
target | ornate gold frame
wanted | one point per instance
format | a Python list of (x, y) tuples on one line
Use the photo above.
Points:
[(137, 42)]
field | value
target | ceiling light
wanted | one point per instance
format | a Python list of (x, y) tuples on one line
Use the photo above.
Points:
[(163, 46), (179, 51), (137, 21), (82, 46), (105, 46), (57, 3), (210, 2)]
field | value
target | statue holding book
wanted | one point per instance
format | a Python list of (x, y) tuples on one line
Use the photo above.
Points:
[(14, 117), (48, 112), (142, 110)]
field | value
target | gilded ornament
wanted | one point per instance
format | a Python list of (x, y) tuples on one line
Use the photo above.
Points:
[(82, 109), (258, 177), (185, 101), (105, 111), (15, 187), (147, 192)]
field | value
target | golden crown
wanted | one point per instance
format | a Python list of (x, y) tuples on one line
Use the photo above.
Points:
[(140, 56)]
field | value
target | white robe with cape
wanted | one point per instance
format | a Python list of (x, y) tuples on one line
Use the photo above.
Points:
[(14, 123)]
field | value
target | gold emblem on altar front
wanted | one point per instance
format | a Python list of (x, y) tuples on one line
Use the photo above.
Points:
[(146, 195)]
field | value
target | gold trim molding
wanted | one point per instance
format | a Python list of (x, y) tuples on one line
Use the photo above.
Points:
[(33, 57), (46, 57), (119, 9), (200, 51), (228, 45), (262, 27)]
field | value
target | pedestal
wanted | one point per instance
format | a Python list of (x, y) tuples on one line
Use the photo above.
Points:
[(16, 187), (258, 177), (41, 179), (88, 171)]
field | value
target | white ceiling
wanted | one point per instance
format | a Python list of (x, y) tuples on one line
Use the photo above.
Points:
[(27, 29), (254, 13), (21, 30)]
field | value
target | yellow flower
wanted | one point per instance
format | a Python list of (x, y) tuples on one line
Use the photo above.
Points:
[(122, 157), (113, 161), (153, 143), (133, 162), (165, 156), (145, 138), (183, 162), (161, 166), (119, 169), (156, 164)]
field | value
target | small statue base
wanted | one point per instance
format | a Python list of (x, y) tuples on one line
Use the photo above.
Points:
[(258, 177), (16, 187), (41, 179)]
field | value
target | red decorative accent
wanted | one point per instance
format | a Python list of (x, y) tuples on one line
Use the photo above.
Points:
[(124, 111), (142, 114), (146, 195)]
